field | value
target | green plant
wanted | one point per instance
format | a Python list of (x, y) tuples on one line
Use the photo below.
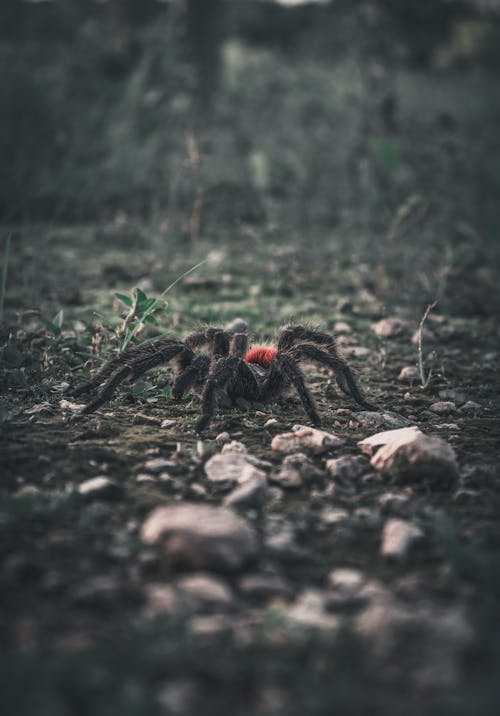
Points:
[(425, 379), (143, 309), (54, 325)]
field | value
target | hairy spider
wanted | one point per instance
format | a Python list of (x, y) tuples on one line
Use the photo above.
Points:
[(229, 370)]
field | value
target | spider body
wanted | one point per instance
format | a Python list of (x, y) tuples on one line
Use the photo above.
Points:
[(229, 370)]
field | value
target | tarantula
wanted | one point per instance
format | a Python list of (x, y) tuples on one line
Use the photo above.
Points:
[(230, 370)]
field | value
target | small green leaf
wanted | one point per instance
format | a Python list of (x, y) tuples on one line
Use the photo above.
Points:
[(50, 325), (124, 299), (141, 296), (150, 319), (59, 318)]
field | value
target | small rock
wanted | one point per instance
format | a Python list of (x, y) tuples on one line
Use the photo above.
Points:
[(163, 599), (443, 407), (407, 454), (305, 438), (295, 470), (356, 351), (347, 468), (263, 586), (271, 423), (27, 491), (223, 438), (157, 464), (470, 407), (389, 327), (334, 515), (342, 327), (167, 423), (144, 477), (398, 536), (409, 374), (393, 501), (230, 467), (380, 419), (346, 579), (309, 610), (72, 407), (447, 426), (209, 592), (235, 446), (100, 488), (344, 305), (251, 492), (201, 537)]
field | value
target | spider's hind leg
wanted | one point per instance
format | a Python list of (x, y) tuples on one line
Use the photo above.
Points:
[(343, 374), (285, 367)]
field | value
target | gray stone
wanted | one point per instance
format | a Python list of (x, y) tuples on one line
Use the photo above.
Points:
[(346, 468), (201, 537), (443, 407), (100, 488), (407, 455), (295, 470), (398, 536), (302, 438), (251, 492), (409, 374), (389, 327)]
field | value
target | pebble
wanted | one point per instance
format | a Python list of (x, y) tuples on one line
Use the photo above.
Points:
[(443, 407), (309, 610), (263, 586), (295, 470), (157, 464), (409, 374), (231, 467), (470, 407), (346, 468), (206, 591), (346, 579), (389, 327), (407, 454), (251, 492), (201, 537), (379, 419), (235, 446), (223, 438), (304, 438), (398, 536), (100, 488), (334, 515)]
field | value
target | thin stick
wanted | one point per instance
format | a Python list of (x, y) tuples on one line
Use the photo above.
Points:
[(5, 269), (424, 381)]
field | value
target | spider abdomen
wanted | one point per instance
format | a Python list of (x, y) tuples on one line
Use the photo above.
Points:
[(261, 355)]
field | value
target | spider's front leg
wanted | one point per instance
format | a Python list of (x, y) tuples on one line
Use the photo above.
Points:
[(229, 377)]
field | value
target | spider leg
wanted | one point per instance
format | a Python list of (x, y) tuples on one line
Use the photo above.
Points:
[(239, 345), (133, 364), (284, 368), (196, 372), (223, 372), (127, 357), (294, 333), (107, 389), (341, 370)]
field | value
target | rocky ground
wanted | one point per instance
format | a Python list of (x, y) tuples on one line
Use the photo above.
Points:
[(267, 567)]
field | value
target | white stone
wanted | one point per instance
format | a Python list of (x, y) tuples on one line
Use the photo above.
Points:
[(398, 536), (304, 438)]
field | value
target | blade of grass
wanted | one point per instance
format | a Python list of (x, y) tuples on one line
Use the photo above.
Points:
[(5, 270), (156, 302)]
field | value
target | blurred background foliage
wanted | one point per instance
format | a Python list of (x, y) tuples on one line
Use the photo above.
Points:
[(212, 114)]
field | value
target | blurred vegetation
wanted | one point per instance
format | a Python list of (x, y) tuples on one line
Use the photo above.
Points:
[(321, 114)]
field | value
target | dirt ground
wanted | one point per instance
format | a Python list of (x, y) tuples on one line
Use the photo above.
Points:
[(79, 630)]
